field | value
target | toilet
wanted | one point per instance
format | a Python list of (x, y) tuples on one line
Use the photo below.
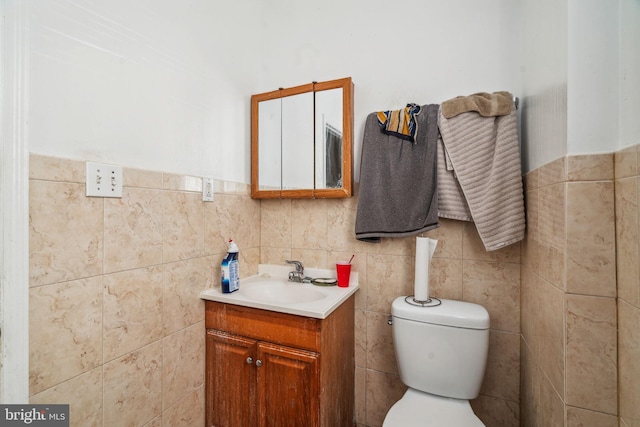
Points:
[(441, 350)]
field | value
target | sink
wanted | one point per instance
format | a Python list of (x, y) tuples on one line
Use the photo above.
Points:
[(270, 290), (281, 292)]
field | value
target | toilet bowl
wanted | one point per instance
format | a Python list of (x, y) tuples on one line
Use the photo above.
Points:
[(418, 409), (441, 350)]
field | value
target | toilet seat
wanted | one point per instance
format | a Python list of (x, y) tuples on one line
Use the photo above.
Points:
[(419, 409)]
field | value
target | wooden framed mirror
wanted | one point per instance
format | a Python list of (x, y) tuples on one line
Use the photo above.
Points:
[(302, 141)]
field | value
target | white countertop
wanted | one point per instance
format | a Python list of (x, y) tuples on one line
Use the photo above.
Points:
[(320, 307)]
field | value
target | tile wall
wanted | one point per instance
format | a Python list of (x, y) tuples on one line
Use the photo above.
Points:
[(569, 358), (116, 328), (627, 184), (116, 325)]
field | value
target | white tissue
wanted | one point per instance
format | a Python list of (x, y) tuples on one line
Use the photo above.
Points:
[(425, 247)]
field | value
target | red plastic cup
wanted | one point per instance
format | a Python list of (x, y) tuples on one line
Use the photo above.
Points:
[(343, 271)]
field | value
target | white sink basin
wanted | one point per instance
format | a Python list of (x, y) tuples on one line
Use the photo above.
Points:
[(271, 290), (281, 292)]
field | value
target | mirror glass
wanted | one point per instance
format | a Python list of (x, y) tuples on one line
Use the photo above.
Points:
[(301, 141)]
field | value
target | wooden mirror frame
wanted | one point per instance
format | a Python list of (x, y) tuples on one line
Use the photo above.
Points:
[(347, 142)]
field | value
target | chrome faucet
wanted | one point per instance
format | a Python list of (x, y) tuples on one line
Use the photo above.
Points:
[(298, 275)]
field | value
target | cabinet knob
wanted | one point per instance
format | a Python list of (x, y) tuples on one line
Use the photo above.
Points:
[(258, 363), (249, 360)]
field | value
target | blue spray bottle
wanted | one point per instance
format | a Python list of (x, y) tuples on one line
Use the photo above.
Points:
[(230, 272)]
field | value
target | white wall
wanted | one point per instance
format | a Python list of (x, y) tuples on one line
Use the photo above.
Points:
[(423, 51), (165, 85), (582, 78), (544, 49), (153, 84), (629, 106), (593, 60)]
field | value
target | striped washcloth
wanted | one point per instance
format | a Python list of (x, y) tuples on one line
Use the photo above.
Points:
[(401, 123)]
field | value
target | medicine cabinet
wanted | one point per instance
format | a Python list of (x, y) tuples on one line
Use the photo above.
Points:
[(302, 141)]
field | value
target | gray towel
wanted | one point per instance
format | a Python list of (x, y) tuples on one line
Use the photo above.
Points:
[(398, 194), (485, 155)]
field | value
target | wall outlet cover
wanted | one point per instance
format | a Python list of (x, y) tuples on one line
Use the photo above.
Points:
[(103, 180)]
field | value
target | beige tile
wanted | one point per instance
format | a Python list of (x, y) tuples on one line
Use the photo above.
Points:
[(65, 320), (65, 232), (249, 260), (530, 246), (183, 222), (552, 234), (528, 403), (83, 394), (247, 222), (380, 353), (142, 178), (626, 162), (591, 359), (496, 412), (627, 232), (495, 286), (187, 412), (449, 237), (590, 167), (182, 183), (552, 173), (360, 394), (361, 338), (590, 228), (531, 180), (579, 417), (133, 230), (313, 258), (629, 362), (445, 278), (309, 224), (388, 277), (219, 224), (502, 376), (269, 255), (543, 327), (56, 169), (181, 285), (341, 225), (133, 387), (473, 248), (183, 367), (132, 310), (156, 422), (383, 390), (275, 224)]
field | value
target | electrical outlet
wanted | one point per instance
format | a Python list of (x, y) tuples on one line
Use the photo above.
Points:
[(103, 180), (207, 189)]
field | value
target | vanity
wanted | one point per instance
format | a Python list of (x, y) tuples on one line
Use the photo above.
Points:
[(280, 353)]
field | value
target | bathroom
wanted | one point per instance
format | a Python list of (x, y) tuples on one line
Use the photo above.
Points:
[(162, 88)]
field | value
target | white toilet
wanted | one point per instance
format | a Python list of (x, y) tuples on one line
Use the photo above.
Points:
[(441, 352)]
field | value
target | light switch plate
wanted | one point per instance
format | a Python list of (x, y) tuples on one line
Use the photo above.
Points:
[(207, 189), (103, 180)]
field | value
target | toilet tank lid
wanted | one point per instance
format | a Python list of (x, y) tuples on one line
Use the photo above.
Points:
[(457, 314)]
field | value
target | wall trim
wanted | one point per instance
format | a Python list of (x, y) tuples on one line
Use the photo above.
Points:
[(14, 206)]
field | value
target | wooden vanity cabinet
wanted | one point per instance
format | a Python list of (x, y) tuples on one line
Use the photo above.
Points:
[(270, 369)]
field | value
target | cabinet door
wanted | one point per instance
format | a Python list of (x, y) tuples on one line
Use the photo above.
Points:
[(231, 379), (288, 387)]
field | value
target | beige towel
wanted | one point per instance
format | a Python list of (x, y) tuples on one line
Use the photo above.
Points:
[(485, 155), (451, 201), (485, 104)]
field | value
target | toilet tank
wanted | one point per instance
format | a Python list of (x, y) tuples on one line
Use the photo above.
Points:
[(442, 349)]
